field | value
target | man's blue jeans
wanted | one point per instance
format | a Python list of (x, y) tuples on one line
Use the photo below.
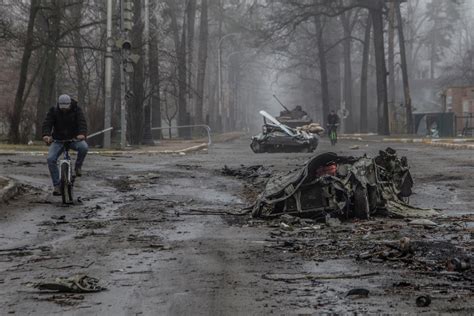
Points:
[(56, 149)]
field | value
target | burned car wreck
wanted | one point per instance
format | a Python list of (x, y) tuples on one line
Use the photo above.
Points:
[(277, 137), (340, 186)]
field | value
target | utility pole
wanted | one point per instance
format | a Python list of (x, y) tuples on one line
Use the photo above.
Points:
[(123, 102), (108, 76)]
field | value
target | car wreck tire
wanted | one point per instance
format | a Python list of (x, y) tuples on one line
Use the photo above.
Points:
[(372, 196), (257, 147), (361, 203)]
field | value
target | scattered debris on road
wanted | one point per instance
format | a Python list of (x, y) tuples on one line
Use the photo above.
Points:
[(358, 293), (250, 172), (74, 284), (458, 265), (423, 301)]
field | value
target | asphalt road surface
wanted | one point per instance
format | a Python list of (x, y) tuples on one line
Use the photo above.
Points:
[(158, 234)]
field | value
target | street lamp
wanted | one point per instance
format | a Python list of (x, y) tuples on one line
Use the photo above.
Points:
[(219, 74)]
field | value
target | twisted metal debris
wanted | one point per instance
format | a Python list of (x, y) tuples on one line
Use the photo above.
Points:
[(341, 186)]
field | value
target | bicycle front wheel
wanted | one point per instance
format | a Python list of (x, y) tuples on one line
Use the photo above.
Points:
[(66, 185)]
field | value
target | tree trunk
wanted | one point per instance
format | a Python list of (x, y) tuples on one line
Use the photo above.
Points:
[(155, 72), (202, 61), (382, 98), (322, 67), (15, 119), (391, 58), (345, 18), (180, 48), (147, 133), (404, 66), (219, 115), (182, 83), (432, 56), (79, 56), (365, 76), (46, 98), (191, 19), (135, 114)]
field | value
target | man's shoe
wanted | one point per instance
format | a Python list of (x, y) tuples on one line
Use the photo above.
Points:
[(78, 172), (57, 190)]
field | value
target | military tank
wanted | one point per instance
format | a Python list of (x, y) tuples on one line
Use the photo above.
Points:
[(293, 118)]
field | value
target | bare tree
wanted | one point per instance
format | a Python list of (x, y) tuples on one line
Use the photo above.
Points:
[(364, 76), (154, 71), (49, 24), (14, 133), (202, 61), (404, 66), (376, 12), (137, 100)]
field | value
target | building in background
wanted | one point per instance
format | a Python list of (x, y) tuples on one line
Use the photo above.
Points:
[(460, 101)]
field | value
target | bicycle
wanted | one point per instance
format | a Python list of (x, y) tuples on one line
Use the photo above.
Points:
[(332, 133), (65, 173)]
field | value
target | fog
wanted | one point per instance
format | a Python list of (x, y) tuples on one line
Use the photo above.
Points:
[(219, 63)]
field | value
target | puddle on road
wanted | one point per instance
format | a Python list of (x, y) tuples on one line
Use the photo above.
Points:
[(437, 196)]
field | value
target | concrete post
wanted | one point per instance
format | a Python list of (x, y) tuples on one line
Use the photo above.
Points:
[(108, 76)]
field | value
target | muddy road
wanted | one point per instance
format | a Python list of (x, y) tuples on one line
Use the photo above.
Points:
[(161, 234)]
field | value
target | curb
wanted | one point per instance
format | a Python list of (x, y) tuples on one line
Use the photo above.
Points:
[(119, 152), (203, 146), (153, 152), (455, 144), (9, 190)]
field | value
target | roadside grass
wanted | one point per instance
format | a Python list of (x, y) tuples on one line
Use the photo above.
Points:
[(37, 146)]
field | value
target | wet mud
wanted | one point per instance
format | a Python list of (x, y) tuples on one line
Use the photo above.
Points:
[(163, 236)]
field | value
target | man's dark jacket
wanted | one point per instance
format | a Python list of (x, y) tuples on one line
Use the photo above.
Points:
[(65, 125), (333, 119)]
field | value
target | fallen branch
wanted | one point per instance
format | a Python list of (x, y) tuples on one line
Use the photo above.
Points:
[(271, 277), (204, 212), (70, 266)]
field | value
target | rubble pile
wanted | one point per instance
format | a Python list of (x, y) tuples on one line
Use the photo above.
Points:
[(314, 128), (329, 185), (250, 172)]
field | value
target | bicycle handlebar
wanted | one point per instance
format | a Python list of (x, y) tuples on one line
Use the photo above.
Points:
[(66, 140)]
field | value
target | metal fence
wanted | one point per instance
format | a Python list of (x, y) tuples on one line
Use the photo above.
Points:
[(188, 131), (464, 125), (443, 123)]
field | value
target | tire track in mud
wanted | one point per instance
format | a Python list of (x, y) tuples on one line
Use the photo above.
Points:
[(159, 254), (154, 253)]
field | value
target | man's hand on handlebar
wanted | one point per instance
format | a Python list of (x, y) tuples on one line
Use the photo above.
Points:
[(80, 137), (47, 140)]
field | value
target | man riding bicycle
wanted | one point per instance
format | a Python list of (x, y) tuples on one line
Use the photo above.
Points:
[(332, 124), (64, 121)]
